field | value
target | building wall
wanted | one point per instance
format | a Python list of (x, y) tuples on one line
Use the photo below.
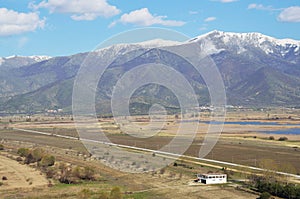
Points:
[(212, 179), (216, 180)]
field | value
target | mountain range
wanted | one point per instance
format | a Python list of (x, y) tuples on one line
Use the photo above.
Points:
[(257, 70)]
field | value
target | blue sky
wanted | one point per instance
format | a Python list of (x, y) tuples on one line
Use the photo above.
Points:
[(64, 27)]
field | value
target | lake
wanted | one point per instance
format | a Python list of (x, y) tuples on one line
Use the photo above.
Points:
[(241, 123), (294, 131)]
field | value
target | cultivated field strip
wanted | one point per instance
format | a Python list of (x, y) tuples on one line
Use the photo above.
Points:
[(162, 153)]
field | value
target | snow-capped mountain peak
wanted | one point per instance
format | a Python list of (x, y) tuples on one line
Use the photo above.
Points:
[(144, 44), (243, 41), (34, 57), (158, 43), (252, 37), (39, 58), (123, 48), (16, 61)]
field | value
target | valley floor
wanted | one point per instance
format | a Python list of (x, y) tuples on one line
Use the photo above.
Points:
[(238, 144)]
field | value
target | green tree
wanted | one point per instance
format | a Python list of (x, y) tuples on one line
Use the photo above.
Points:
[(47, 160), (23, 152), (271, 138), (265, 195), (37, 154), (283, 139), (289, 192)]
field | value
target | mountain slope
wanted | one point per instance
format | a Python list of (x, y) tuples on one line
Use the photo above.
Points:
[(257, 70), (19, 61), (267, 86)]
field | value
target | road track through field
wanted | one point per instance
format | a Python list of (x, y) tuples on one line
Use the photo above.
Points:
[(18, 175), (208, 162)]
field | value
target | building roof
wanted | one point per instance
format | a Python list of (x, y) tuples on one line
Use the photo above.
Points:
[(214, 174)]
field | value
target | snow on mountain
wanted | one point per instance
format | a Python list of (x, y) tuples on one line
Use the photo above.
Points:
[(123, 48), (257, 70), (212, 42), (215, 42), (40, 57), (1, 61), (117, 49), (36, 58), (15, 61), (158, 43), (243, 41)]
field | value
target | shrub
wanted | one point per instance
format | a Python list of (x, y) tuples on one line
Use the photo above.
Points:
[(29, 159), (271, 138), (89, 173), (86, 173), (66, 176), (33, 156), (265, 195), (282, 190), (19, 159), (115, 193), (47, 160), (50, 172), (23, 152), (1, 147), (78, 172), (283, 139), (37, 154)]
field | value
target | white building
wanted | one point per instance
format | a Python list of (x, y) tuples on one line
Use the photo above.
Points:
[(212, 178)]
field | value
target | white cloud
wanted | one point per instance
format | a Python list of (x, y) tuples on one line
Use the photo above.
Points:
[(261, 7), (209, 19), (225, 1), (80, 9), (291, 14), (12, 22), (255, 6), (143, 17)]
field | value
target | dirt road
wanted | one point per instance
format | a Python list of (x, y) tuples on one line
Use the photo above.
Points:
[(18, 175)]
